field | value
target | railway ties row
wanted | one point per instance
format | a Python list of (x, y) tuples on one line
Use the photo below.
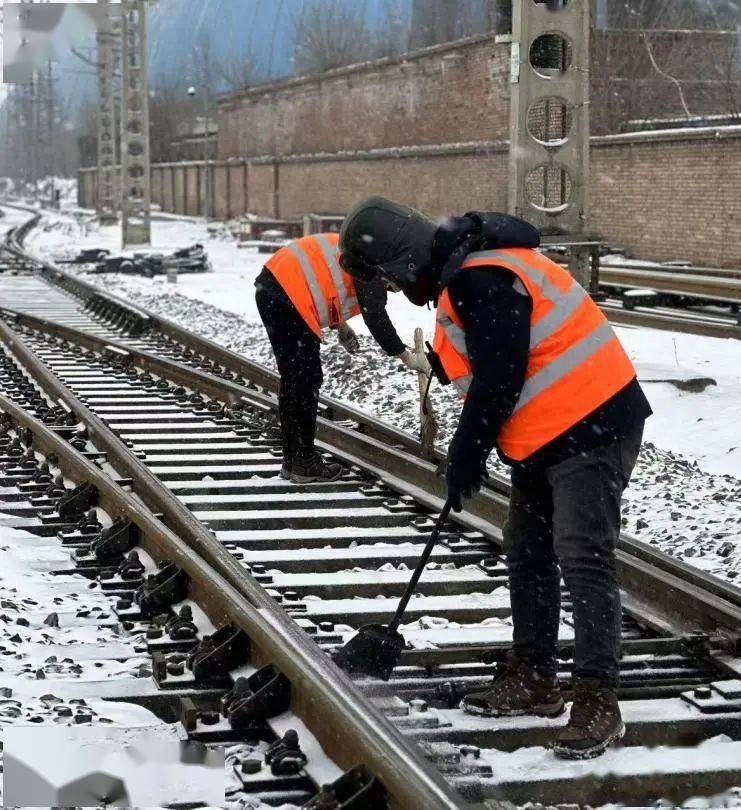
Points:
[(660, 674)]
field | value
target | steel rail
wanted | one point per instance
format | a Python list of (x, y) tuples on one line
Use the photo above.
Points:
[(679, 270), (690, 323), (669, 592), (350, 729), (710, 288)]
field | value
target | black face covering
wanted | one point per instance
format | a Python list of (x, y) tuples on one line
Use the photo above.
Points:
[(424, 291), (357, 267)]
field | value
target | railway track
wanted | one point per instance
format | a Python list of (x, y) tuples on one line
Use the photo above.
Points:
[(722, 286), (192, 427), (675, 298)]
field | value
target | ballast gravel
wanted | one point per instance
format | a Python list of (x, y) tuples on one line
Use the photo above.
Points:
[(671, 504)]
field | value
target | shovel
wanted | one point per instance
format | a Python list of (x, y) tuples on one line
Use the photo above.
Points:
[(376, 648)]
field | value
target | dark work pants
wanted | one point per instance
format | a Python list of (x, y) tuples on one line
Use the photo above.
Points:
[(296, 350), (569, 513)]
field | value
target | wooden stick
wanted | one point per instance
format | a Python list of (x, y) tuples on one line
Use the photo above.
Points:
[(429, 427)]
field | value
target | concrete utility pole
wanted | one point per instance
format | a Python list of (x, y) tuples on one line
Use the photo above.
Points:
[(136, 193), (549, 126), (106, 38)]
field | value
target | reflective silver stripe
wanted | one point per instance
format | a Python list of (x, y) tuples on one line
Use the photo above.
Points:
[(567, 362), (320, 302), (538, 277), (563, 308), (564, 303), (330, 256), (453, 332), (463, 383)]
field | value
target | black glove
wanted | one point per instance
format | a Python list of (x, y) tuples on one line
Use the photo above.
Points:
[(464, 475)]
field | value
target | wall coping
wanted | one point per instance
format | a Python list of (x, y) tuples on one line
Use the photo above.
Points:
[(424, 150), (361, 67), (466, 148), (679, 134), (214, 164)]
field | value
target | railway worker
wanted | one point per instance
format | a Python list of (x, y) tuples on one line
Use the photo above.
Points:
[(548, 384), (301, 292)]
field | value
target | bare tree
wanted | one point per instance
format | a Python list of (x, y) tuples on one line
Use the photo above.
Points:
[(239, 73), (393, 32), (332, 33)]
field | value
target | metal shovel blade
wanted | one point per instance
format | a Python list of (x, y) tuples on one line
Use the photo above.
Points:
[(374, 652)]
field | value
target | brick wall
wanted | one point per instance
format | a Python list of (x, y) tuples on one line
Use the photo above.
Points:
[(429, 129), (457, 89), (670, 196), (661, 195)]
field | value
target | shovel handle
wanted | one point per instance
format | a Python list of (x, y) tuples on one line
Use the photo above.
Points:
[(431, 543)]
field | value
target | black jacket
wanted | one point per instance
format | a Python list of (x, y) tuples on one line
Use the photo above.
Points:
[(496, 317), (372, 299)]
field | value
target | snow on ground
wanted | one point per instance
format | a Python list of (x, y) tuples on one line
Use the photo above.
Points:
[(686, 491), (81, 648), (88, 646)]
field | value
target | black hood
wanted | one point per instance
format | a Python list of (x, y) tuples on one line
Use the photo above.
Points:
[(395, 239), (477, 230)]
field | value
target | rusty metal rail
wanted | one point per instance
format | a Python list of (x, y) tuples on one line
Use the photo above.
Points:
[(683, 284)]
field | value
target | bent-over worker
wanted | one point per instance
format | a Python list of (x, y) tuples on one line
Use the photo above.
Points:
[(547, 382), (302, 291)]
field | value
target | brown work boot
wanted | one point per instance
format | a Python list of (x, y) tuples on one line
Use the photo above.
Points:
[(595, 722), (517, 689), (308, 469)]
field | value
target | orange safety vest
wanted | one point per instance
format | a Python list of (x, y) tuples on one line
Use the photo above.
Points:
[(309, 272), (576, 362)]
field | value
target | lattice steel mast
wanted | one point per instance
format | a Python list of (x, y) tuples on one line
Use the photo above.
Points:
[(107, 39), (549, 127), (135, 158)]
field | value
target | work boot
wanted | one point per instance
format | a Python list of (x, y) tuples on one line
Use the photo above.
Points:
[(517, 689), (595, 722), (286, 468), (308, 469)]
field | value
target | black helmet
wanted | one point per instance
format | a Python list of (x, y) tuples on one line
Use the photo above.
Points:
[(395, 239)]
